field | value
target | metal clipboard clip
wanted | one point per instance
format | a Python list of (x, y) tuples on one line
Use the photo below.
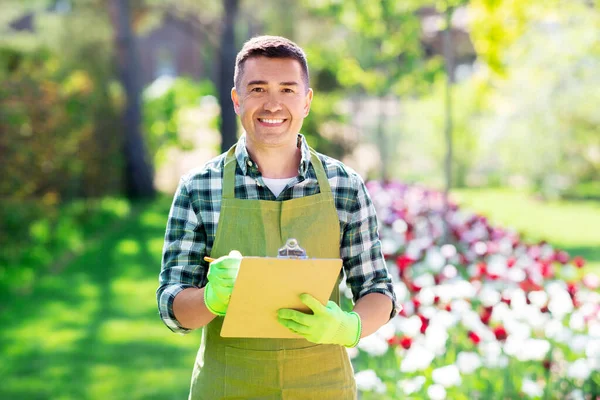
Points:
[(291, 250)]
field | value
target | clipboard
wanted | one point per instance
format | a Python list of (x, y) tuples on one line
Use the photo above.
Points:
[(266, 284)]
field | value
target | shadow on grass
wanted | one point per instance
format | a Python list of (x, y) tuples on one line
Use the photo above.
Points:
[(93, 331)]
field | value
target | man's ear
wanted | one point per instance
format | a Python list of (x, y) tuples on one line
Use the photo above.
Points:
[(236, 100), (308, 99)]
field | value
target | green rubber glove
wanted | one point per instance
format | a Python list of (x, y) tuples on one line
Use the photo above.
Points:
[(328, 324), (221, 277)]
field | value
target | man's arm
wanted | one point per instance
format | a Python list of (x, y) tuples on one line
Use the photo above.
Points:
[(180, 299), (190, 310), (366, 273), (374, 310)]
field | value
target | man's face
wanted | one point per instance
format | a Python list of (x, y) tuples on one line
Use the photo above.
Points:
[(272, 101)]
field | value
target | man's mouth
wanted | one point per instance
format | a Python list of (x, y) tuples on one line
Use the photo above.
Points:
[(271, 121)]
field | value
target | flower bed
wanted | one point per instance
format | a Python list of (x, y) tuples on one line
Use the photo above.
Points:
[(485, 315)]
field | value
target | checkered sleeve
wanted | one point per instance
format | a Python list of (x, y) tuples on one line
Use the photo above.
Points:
[(364, 264), (184, 247)]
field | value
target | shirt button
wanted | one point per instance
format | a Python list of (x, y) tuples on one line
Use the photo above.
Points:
[(249, 163)]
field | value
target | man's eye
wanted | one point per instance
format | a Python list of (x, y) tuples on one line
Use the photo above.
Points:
[(288, 90), (257, 90)]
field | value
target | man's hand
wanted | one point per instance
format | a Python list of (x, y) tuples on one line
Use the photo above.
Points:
[(221, 277), (329, 324)]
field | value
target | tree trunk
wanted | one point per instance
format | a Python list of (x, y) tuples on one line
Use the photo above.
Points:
[(138, 169), (226, 69), (449, 63)]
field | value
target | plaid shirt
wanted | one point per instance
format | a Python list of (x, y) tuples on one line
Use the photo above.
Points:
[(192, 224)]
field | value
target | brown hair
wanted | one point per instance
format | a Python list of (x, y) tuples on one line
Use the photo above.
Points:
[(270, 47)]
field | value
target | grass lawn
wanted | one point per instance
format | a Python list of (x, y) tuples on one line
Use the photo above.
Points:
[(91, 330), (571, 226)]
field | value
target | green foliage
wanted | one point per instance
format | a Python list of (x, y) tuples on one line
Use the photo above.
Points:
[(58, 111), (34, 234), (165, 101)]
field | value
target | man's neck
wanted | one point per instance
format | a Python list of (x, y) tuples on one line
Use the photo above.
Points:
[(277, 161)]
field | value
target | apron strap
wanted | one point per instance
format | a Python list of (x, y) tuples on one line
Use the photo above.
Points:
[(320, 171), (231, 163), (229, 174)]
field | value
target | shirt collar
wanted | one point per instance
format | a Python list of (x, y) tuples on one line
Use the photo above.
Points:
[(247, 165)]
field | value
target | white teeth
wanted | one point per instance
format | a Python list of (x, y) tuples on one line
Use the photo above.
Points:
[(272, 121)]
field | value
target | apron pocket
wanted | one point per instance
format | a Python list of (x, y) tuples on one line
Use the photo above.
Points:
[(322, 372), (252, 374)]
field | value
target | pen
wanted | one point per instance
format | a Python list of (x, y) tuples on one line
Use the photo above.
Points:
[(208, 259)]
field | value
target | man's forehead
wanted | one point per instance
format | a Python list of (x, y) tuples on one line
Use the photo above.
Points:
[(267, 69)]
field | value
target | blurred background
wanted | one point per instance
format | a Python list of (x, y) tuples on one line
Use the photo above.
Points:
[(104, 104)]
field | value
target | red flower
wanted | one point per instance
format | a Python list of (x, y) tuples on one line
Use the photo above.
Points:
[(529, 286), (474, 337), (481, 268), (500, 333), (448, 307), (406, 342), (505, 299), (424, 323), (403, 262), (572, 289), (486, 315), (547, 364), (579, 261)]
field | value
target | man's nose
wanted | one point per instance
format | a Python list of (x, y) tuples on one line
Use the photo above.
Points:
[(272, 104)]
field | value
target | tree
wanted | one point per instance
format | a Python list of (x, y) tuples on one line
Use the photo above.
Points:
[(226, 69), (138, 169)]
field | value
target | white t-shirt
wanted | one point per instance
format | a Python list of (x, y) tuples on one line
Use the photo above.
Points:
[(276, 185)]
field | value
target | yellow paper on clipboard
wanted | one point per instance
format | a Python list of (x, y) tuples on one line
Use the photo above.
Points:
[(267, 284)]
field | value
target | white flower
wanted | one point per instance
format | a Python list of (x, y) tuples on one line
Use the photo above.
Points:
[(389, 246), (436, 337), (368, 381), (352, 352), (576, 394), (436, 392), (516, 274), (448, 250), (434, 259), (449, 271), (531, 388), (374, 345), (387, 331), (409, 326), (417, 358), (410, 386), (447, 376), (579, 369), (578, 343), (468, 361), (538, 298), (593, 349), (560, 302), (577, 321), (425, 280), (489, 297), (426, 296)]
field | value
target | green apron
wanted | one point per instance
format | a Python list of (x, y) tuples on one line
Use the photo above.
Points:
[(251, 368)]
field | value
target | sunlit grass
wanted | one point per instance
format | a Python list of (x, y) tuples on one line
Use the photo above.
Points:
[(92, 330)]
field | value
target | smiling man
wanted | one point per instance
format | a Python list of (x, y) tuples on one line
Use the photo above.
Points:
[(268, 187)]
